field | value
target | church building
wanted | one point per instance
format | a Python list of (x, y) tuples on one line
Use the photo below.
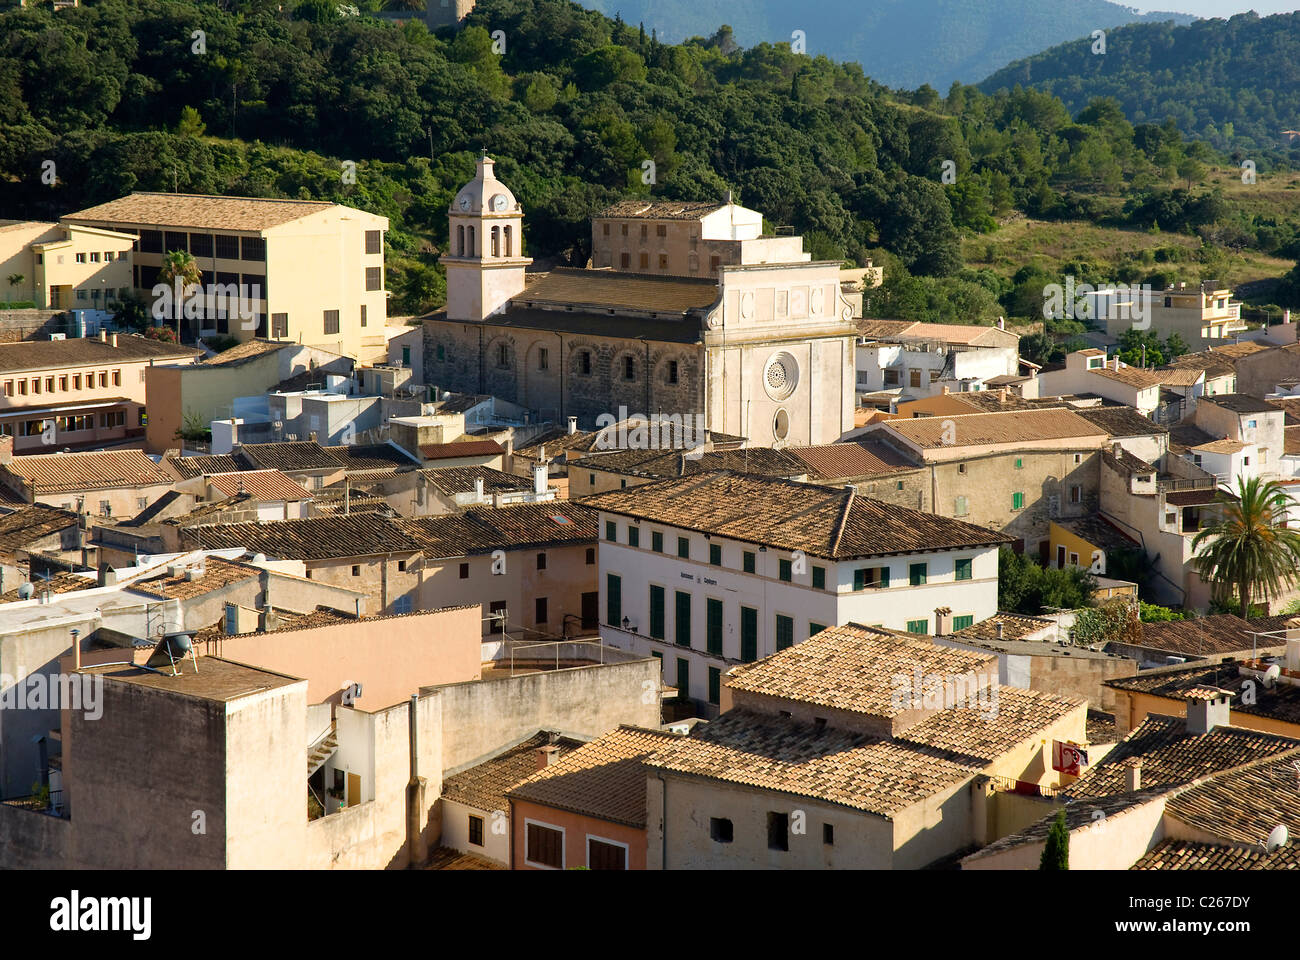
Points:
[(743, 329)]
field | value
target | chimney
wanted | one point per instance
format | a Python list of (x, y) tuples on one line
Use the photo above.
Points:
[(942, 621), (312, 436), (1002, 323), (539, 478), (113, 340), (478, 489), (999, 625), (944, 388), (103, 335), (573, 421), (547, 755), (1133, 777), (1204, 713), (6, 450), (1002, 395)]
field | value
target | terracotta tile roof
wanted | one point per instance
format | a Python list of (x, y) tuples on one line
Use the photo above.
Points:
[(86, 351), (1131, 376), (605, 778), (290, 456), (1241, 403), (803, 760), (453, 480), (58, 584), (317, 538), (1244, 805), (1184, 436), (975, 737), (1170, 755), (977, 429), (659, 209), (1101, 727), (1291, 406), (186, 468), (1196, 855), (484, 785), (216, 574), (1098, 531), (830, 522), (98, 470), (31, 523), (852, 668), (372, 458), (1119, 457), (452, 451), (265, 486), (448, 858), (1121, 421), (1205, 636), (567, 287), (874, 329), (245, 214), (1014, 627), (758, 461), (484, 529), (1281, 703), (840, 461), (1180, 377), (1188, 498), (244, 352), (971, 334)]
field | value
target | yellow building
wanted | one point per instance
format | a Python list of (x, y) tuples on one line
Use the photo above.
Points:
[(304, 271), (63, 266)]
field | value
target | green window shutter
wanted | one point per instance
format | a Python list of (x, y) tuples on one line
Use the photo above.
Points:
[(784, 632), (859, 579), (684, 548), (715, 554), (819, 578), (918, 626), (916, 574), (884, 576), (714, 619), (657, 612), (815, 628), (715, 685), (964, 568), (1017, 501), (748, 634), (787, 571), (614, 600), (634, 536), (657, 655), (656, 541), (683, 677), (683, 620), (748, 562), (611, 530), (961, 623), (1020, 463)]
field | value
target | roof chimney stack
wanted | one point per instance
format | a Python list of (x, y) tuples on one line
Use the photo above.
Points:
[(999, 626), (573, 425), (547, 755), (1133, 777), (1207, 708)]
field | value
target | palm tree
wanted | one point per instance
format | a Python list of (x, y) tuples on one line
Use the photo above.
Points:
[(179, 265), (1249, 546), (14, 279)]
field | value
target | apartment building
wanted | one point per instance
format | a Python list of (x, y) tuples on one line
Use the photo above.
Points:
[(309, 272), (57, 394), (102, 483), (1089, 371), (709, 571), (685, 239), (65, 266), (918, 360), (1202, 314)]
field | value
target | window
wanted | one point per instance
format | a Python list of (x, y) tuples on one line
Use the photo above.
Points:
[(49, 382), (539, 610), (962, 622), (105, 508), (103, 378), (614, 600), (94, 258), (406, 360), (891, 378), (656, 541), (331, 321), (374, 241), (786, 570), (1017, 501), (916, 574), (672, 371), (714, 263), (201, 244), (682, 621), (644, 259), (715, 685), (591, 556), (720, 830), (81, 258), (604, 229), (476, 830), (918, 626), (629, 368), (784, 631), (280, 325), (374, 278), (543, 846), (611, 531), (914, 378), (1074, 559), (63, 385), (1078, 459), (602, 855), (1020, 463), (715, 554), (1076, 493), (815, 628), (663, 261), (684, 548), (747, 561), (828, 834), (656, 612), (961, 468), (543, 358), (819, 578), (633, 536), (683, 676), (963, 568), (151, 241), (624, 260), (252, 248), (713, 628), (778, 831), (960, 507), (227, 247), (117, 379), (748, 634), (874, 577), (76, 381), (36, 384), (356, 570), (584, 362)]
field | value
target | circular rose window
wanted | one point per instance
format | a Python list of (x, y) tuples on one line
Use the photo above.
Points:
[(781, 376)]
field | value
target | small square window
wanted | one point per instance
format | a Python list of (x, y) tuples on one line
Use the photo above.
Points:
[(401, 566), (720, 830), (819, 578), (464, 571), (356, 570)]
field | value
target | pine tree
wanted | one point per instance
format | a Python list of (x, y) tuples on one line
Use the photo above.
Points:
[(1056, 852)]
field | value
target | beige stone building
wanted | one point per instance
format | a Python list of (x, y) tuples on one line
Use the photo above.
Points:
[(64, 266), (310, 272), (1202, 314), (103, 483), (762, 350)]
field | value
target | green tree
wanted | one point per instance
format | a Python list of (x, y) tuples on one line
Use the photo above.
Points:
[(1248, 550), (191, 124), (179, 265), (14, 279), (1056, 851)]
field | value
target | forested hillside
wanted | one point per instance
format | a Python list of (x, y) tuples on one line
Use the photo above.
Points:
[(118, 96)]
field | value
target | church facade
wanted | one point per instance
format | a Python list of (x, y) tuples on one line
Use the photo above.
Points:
[(760, 349)]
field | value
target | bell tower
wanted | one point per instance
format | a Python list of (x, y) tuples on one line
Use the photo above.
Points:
[(484, 260)]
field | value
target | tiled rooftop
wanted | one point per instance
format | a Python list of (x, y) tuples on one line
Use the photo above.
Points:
[(290, 456), (1015, 626), (216, 574), (1171, 854), (606, 289), (978, 429), (454, 451), (659, 209), (187, 468), (30, 523), (97, 470), (1210, 636), (759, 461), (1240, 403), (484, 529), (453, 480), (1282, 702), (841, 461), (266, 486), (483, 786), (1121, 421), (86, 351), (199, 210), (318, 538)]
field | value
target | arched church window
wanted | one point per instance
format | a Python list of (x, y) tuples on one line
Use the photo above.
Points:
[(469, 235), (460, 240), (510, 245), (496, 241)]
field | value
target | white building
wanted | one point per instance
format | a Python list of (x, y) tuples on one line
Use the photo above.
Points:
[(920, 359), (710, 571), (1088, 371)]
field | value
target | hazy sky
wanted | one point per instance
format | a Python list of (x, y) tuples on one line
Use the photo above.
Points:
[(1219, 8)]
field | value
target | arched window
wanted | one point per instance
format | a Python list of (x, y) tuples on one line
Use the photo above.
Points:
[(460, 240), (496, 241), (510, 244), (473, 250)]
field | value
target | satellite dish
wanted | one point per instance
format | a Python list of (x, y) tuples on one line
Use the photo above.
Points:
[(1270, 679), (25, 591), (1277, 838)]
